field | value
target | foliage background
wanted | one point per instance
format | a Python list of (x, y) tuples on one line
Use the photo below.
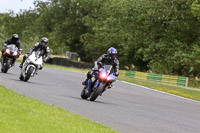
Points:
[(160, 36)]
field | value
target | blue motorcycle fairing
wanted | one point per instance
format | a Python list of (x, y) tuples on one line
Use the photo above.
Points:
[(111, 77), (88, 86), (97, 83), (102, 70)]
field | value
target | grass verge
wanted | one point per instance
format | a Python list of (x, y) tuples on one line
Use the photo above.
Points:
[(67, 68), (19, 114), (191, 93)]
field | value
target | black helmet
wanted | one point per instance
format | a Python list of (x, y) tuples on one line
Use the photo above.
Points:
[(15, 37), (44, 41)]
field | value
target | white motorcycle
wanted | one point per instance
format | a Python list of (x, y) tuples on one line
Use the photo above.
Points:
[(31, 65)]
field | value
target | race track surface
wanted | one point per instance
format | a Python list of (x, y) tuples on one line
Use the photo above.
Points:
[(125, 107)]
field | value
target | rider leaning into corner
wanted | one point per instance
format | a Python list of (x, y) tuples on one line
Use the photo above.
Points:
[(42, 46), (13, 40), (105, 59)]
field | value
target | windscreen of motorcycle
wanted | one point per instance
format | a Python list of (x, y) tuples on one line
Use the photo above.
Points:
[(108, 68), (37, 54), (36, 58), (12, 48)]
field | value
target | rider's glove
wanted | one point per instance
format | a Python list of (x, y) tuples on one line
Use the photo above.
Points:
[(28, 54), (5, 45), (95, 68), (19, 53), (116, 74), (45, 60), (40, 68), (100, 64)]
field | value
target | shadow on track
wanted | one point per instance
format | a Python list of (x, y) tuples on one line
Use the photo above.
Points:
[(98, 102), (8, 73), (29, 82)]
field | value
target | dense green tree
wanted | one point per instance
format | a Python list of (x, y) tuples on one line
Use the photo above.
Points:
[(2, 29), (160, 36)]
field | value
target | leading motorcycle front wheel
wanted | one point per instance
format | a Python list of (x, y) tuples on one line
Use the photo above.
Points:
[(96, 92)]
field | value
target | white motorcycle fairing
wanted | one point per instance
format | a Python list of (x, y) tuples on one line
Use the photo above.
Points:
[(35, 61)]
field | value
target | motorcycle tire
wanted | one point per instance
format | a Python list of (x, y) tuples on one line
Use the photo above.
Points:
[(7, 66), (28, 74), (83, 93), (96, 92), (21, 77)]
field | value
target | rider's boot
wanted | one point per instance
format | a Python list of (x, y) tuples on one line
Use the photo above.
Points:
[(24, 58), (20, 66), (110, 86), (89, 75), (84, 82), (40, 68)]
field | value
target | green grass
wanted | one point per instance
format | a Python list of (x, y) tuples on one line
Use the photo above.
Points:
[(19, 114), (194, 83), (189, 92), (67, 68)]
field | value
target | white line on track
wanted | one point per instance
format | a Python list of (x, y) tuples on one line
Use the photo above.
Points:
[(159, 91), (154, 90)]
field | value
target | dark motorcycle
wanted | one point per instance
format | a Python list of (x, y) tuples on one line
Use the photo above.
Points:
[(10, 52), (98, 83)]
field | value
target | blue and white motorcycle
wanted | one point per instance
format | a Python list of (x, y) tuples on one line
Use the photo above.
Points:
[(98, 83)]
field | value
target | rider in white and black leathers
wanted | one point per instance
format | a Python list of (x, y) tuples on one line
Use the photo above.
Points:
[(105, 59), (42, 46), (14, 40)]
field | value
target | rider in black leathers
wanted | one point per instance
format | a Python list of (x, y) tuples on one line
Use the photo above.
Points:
[(42, 46), (14, 40), (106, 59)]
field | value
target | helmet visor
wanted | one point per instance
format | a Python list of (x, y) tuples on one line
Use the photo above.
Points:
[(44, 43), (15, 39), (112, 56)]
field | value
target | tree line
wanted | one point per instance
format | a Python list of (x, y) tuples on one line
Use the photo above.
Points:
[(160, 36)]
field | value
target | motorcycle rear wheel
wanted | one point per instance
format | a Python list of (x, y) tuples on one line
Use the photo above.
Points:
[(84, 94)]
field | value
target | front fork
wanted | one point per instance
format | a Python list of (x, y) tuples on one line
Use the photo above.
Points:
[(25, 68), (89, 86), (93, 85), (4, 58)]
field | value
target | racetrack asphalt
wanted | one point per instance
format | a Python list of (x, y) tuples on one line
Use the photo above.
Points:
[(127, 108)]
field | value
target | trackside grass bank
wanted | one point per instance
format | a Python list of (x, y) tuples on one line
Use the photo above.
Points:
[(19, 114), (67, 68), (191, 93)]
